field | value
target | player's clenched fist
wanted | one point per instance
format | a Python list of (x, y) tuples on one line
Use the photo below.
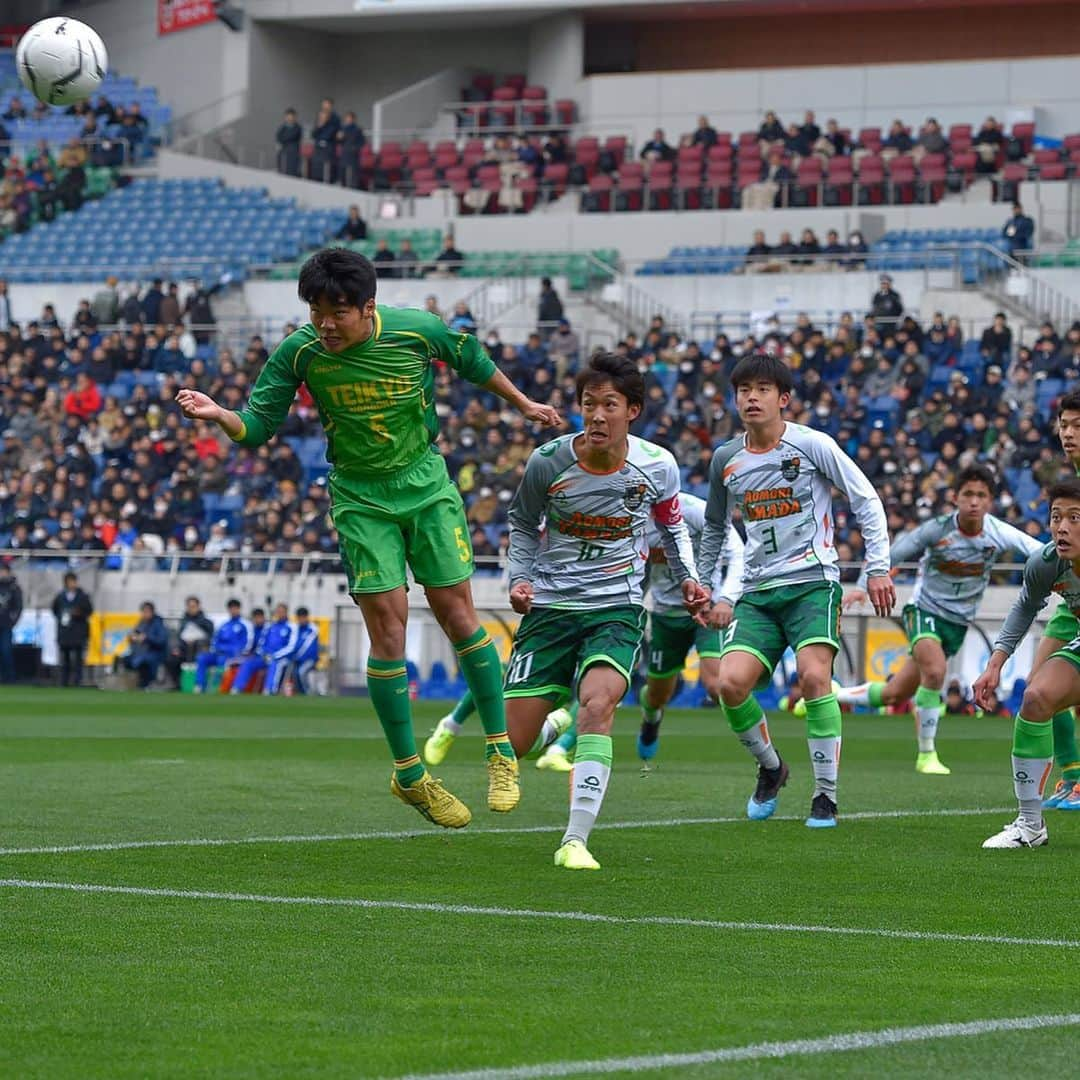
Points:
[(197, 406), (521, 597), (719, 615), (539, 413)]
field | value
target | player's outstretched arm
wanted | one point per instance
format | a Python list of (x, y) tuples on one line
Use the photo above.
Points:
[(198, 406), (536, 411)]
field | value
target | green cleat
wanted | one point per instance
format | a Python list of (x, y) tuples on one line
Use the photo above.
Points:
[(574, 855), (554, 758), (928, 764), (439, 742)]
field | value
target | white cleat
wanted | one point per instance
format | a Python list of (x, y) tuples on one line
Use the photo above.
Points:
[(1018, 834)]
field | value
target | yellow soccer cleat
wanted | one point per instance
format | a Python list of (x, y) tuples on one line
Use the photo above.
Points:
[(433, 801), (439, 742), (574, 855), (560, 719), (555, 758), (504, 788), (928, 764)]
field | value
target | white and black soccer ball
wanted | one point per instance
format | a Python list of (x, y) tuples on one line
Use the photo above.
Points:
[(61, 61)]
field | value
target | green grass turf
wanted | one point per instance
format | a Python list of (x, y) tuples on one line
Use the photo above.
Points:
[(132, 986)]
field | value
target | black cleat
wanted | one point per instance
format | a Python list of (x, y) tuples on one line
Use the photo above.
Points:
[(822, 813), (762, 803)]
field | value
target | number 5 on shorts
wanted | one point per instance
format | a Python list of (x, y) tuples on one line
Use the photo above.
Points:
[(463, 549)]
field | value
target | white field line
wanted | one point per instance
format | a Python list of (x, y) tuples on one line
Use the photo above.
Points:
[(531, 913), (410, 834), (829, 1044)]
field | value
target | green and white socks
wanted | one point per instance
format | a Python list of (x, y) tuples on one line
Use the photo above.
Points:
[(823, 728), (1032, 759), (928, 705), (751, 728), (867, 693), (588, 783)]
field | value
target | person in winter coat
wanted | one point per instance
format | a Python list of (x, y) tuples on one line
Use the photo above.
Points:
[(11, 603), (72, 609)]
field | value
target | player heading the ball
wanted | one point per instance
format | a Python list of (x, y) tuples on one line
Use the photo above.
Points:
[(370, 371)]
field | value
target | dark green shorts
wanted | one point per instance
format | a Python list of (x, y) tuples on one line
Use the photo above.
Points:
[(767, 621), (1063, 625), (919, 624), (551, 644), (415, 518), (672, 636)]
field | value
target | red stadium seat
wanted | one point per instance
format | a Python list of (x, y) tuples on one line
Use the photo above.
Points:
[(597, 196), (424, 181), (630, 195), (959, 131), (808, 181), (902, 179), (534, 93), (688, 189), (870, 139), (932, 180), (615, 145), (1008, 188), (660, 182), (1046, 157), (1056, 170), (964, 165), (1025, 133), (555, 176), (719, 152), (1071, 143), (960, 144), (565, 112), (838, 185), (516, 83), (529, 187)]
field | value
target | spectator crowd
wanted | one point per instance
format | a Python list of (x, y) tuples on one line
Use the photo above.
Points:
[(85, 468)]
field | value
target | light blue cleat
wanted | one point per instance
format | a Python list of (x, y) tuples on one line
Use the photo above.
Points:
[(762, 804), (822, 813), (648, 741)]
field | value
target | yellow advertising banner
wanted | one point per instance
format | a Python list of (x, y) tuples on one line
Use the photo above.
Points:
[(886, 651)]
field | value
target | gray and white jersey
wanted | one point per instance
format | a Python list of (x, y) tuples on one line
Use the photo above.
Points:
[(665, 593), (954, 569), (785, 498), (1045, 572), (579, 537)]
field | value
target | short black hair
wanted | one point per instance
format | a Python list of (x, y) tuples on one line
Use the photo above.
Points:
[(69, 576), (258, 611), (302, 611), (767, 368), (234, 603), (1064, 489), (337, 275), (1069, 402), (620, 371), (977, 474)]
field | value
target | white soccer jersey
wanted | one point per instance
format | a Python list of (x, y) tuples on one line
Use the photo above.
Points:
[(954, 570), (579, 537), (785, 498), (665, 593)]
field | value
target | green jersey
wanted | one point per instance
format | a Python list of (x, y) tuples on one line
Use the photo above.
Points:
[(376, 400)]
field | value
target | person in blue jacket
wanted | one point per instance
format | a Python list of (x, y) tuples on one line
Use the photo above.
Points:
[(149, 642), (277, 644), (306, 653), (232, 639)]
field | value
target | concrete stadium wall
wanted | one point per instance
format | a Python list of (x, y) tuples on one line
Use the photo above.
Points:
[(1046, 90), (203, 70)]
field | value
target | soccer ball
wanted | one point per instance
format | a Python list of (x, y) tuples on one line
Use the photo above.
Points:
[(61, 61)]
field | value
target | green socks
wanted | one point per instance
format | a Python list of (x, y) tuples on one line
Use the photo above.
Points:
[(744, 716), (479, 662), (1066, 754), (1032, 740), (465, 707), (388, 685)]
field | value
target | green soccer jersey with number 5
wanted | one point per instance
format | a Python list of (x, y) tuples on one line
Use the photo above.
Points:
[(376, 400)]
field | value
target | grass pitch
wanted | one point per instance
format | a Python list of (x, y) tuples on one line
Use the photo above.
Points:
[(342, 937)]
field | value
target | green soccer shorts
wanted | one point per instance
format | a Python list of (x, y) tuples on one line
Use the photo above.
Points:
[(767, 621), (919, 624), (672, 636), (1063, 625), (413, 518), (552, 643)]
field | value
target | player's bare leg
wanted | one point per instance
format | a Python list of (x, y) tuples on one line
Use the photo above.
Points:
[(478, 659), (739, 672), (385, 616)]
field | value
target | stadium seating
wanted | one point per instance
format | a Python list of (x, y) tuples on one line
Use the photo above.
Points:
[(192, 227)]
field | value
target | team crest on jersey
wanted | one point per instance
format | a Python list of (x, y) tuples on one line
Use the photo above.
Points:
[(789, 468), (634, 495)]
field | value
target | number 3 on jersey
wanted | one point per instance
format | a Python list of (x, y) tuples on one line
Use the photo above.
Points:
[(768, 540)]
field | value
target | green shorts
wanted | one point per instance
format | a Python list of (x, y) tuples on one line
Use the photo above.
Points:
[(671, 637), (552, 643), (1070, 652), (415, 517), (1063, 625), (767, 621), (919, 624)]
